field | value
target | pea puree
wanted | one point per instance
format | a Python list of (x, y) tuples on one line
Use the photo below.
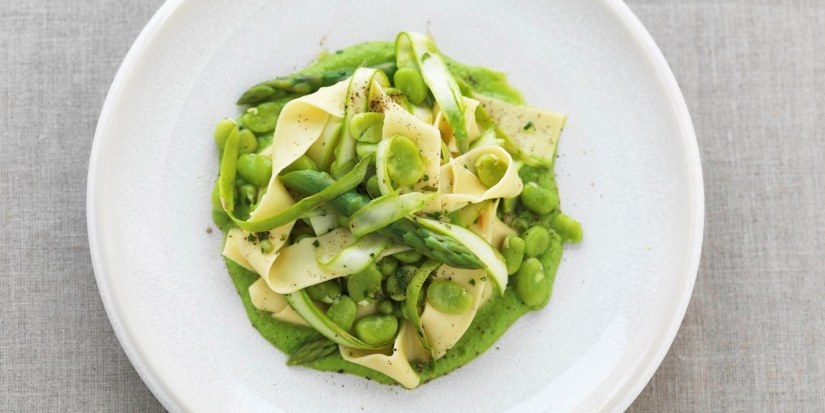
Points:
[(491, 320)]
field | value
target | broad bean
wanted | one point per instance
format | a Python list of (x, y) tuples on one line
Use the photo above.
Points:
[(248, 142), (530, 284), (536, 240), (367, 127), (569, 229), (365, 287), (342, 312), (376, 329), (490, 169), (255, 169), (411, 83), (262, 118), (513, 251), (222, 131), (538, 199), (404, 164), (325, 292), (449, 297)]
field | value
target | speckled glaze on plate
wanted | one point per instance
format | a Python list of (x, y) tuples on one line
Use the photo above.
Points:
[(628, 169)]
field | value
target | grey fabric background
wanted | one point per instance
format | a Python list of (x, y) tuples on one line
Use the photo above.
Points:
[(753, 74)]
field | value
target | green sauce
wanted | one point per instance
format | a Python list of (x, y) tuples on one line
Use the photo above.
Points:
[(491, 320)]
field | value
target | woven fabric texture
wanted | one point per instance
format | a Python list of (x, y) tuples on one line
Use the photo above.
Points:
[(753, 75)]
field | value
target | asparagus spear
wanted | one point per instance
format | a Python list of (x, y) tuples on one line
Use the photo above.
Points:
[(430, 243), (312, 350), (303, 84)]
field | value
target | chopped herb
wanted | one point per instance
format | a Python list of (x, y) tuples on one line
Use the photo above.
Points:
[(472, 281), (316, 243), (372, 255), (425, 178), (251, 238), (528, 125), (484, 278), (262, 235), (435, 215), (429, 189)]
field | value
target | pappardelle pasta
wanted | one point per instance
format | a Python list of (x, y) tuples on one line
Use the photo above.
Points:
[(389, 212)]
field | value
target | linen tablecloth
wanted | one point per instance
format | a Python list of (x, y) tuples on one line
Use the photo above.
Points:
[(753, 75)]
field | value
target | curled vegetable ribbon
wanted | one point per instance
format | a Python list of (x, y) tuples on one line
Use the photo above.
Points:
[(416, 49), (357, 101), (303, 305), (302, 209), (413, 291)]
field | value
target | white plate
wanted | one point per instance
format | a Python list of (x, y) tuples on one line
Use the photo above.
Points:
[(629, 171)]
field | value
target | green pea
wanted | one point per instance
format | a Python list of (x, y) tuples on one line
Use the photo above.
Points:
[(449, 297), (339, 170), (408, 257), (538, 199), (385, 307), (376, 329), (530, 284), (222, 131), (536, 240), (398, 281), (372, 187), (410, 82), (568, 228), (404, 164), (266, 246), (248, 193), (216, 197), (367, 127), (512, 249), (364, 149), (263, 118), (490, 169), (342, 312), (387, 266), (365, 287), (248, 142), (303, 163), (325, 292), (255, 169)]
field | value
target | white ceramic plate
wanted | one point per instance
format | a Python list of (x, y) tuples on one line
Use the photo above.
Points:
[(629, 171)]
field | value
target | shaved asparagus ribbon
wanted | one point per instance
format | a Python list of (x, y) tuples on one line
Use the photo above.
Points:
[(357, 256), (417, 48), (413, 291), (302, 209), (385, 210), (303, 305), (358, 101)]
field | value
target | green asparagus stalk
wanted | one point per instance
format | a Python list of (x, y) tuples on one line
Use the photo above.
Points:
[(303, 84), (312, 350), (437, 246)]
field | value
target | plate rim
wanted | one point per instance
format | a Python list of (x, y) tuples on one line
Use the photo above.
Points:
[(619, 399)]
